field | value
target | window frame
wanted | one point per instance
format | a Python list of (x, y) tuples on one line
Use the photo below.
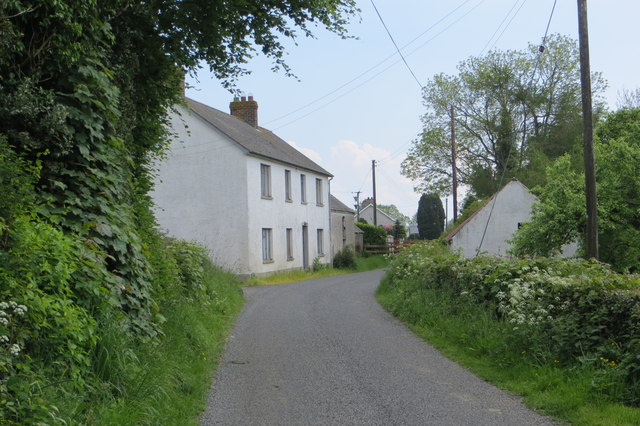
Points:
[(267, 245), (289, 243), (319, 193), (287, 186), (265, 181), (303, 188), (320, 241)]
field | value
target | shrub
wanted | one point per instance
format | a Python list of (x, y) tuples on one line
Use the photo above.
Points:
[(568, 311), (373, 235), (345, 259)]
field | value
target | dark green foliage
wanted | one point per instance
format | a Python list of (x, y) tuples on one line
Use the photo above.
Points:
[(345, 259), (559, 215), (85, 87), (373, 235), (567, 312), (399, 231), (430, 216)]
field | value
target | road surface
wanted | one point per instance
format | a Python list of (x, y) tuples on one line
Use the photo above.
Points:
[(323, 352)]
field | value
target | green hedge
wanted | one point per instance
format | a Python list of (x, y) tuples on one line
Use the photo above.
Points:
[(373, 235), (562, 311)]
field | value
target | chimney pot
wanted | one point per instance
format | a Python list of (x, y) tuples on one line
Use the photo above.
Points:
[(244, 110)]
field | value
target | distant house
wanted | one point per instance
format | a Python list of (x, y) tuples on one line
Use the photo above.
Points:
[(488, 230), (254, 201), (383, 219), (343, 227)]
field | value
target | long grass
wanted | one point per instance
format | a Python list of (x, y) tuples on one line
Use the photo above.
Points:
[(473, 337), (167, 383)]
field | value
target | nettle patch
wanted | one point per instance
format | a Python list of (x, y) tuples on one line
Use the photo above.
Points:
[(560, 312)]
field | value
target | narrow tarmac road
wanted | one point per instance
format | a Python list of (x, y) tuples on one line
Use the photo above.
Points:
[(323, 352)]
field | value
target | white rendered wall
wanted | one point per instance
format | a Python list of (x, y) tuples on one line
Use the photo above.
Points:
[(512, 206), (278, 214), (200, 191)]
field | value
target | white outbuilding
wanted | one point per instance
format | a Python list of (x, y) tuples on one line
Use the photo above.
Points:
[(489, 229)]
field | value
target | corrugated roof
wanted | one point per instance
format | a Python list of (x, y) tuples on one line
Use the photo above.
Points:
[(258, 141), (339, 205)]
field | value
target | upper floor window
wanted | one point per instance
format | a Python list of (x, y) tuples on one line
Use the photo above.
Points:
[(319, 192), (265, 180), (303, 189), (287, 185)]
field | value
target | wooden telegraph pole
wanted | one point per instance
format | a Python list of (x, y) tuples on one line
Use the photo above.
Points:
[(587, 116), (454, 170), (375, 201)]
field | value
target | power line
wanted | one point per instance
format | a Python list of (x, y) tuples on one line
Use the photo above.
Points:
[(493, 203), (500, 26), (396, 45), (362, 74)]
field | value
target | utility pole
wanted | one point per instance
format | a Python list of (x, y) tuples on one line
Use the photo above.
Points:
[(375, 202), (587, 117), (454, 170), (357, 198)]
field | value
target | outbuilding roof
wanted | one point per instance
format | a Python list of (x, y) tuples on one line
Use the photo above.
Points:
[(257, 141), (337, 205)]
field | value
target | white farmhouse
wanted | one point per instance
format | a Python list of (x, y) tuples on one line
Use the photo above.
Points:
[(254, 201), (488, 230)]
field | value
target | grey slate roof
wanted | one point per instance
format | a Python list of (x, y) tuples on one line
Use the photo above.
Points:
[(338, 205), (260, 141)]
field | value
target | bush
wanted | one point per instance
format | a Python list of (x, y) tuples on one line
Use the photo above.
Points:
[(345, 259), (373, 235), (564, 311)]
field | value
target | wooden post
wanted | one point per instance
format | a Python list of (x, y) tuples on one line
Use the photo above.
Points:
[(375, 202), (454, 169), (587, 116)]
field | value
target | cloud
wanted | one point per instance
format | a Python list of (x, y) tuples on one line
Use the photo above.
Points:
[(350, 162), (313, 155)]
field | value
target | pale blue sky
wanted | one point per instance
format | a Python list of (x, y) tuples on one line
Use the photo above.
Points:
[(376, 115)]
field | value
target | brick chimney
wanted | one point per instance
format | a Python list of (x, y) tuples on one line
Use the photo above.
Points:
[(245, 109)]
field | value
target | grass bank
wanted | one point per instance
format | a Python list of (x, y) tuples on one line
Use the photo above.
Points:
[(166, 382), (363, 264), (436, 298)]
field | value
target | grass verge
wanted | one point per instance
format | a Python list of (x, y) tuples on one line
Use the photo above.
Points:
[(473, 337), (363, 264), (167, 382)]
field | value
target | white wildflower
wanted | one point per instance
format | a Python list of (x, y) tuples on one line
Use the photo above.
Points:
[(20, 310), (4, 321), (4, 339), (4, 305), (14, 349)]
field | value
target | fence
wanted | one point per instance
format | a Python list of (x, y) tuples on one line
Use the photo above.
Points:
[(388, 248)]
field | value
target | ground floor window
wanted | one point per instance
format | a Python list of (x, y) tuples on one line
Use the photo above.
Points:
[(289, 244), (320, 242), (267, 245)]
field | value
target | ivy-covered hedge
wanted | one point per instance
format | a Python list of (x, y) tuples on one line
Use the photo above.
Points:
[(562, 311)]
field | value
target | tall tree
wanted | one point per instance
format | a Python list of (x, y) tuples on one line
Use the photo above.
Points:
[(511, 108), (430, 216), (86, 87), (559, 216), (394, 212)]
